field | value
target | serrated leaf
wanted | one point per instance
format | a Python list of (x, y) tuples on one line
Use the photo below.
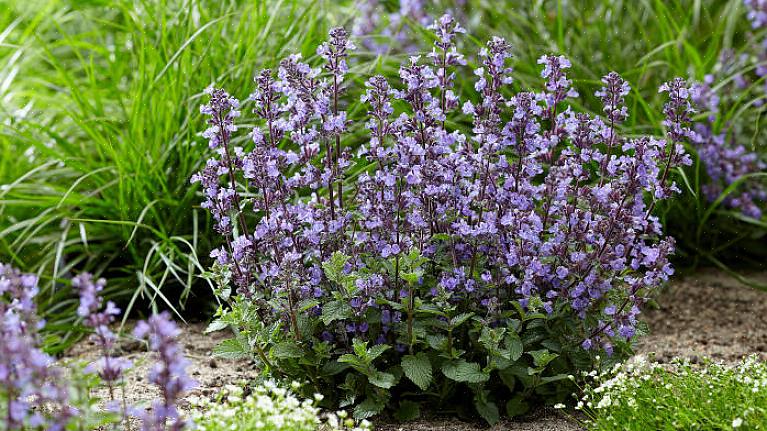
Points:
[(334, 367), (411, 277), (334, 266), (216, 325), (368, 408), (230, 349), (382, 379), (376, 351), (514, 346), (335, 310), (487, 409), (460, 319), (417, 368), (348, 358), (407, 411), (462, 371), (307, 304), (555, 378), (437, 342), (542, 357), (286, 350)]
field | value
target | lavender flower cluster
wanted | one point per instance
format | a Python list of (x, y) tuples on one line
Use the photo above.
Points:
[(727, 161), (109, 368), (535, 204), (28, 380), (169, 373), (34, 391), (374, 25)]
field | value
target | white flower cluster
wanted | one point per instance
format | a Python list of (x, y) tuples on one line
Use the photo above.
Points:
[(268, 408), (625, 391)]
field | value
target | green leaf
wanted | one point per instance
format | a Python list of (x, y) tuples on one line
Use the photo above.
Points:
[(555, 378), (230, 349), (307, 304), (407, 411), (542, 357), (286, 350), (334, 266), (335, 310), (368, 408), (411, 277), (417, 368), (460, 319), (514, 346), (216, 325), (334, 367), (487, 409), (462, 371), (376, 351), (517, 406), (351, 359), (382, 379), (360, 348), (437, 342), (507, 376)]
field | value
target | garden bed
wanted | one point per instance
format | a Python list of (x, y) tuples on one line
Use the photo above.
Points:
[(703, 315)]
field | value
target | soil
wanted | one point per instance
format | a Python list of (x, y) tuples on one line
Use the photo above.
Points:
[(708, 314), (705, 315)]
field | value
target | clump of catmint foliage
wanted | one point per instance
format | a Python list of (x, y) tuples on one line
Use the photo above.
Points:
[(486, 244)]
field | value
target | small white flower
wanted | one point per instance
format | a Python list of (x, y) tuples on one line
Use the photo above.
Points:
[(737, 422), (559, 406)]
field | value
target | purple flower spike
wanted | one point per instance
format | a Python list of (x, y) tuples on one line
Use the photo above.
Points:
[(169, 373), (29, 382), (109, 368)]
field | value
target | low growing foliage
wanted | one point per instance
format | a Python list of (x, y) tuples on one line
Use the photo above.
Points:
[(269, 408), (641, 396), (493, 259)]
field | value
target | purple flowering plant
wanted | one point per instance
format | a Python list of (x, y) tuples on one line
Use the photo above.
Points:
[(492, 242), (39, 393), (168, 373), (728, 146), (33, 394)]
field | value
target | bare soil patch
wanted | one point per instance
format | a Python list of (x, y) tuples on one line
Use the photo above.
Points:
[(708, 314)]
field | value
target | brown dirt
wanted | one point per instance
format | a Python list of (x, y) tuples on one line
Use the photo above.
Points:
[(210, 373), (708, 314), (705, 315)]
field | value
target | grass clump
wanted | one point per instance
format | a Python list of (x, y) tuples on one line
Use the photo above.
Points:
[(642, 396), (95, 149)]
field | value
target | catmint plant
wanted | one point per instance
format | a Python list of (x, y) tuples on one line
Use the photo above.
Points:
[(497, 240), (733, 169), (109, 368), (168, 373), (32, 395)]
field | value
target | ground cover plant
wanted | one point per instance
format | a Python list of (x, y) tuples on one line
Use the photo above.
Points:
[(270, 408), (640, 395), (510, 250)]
